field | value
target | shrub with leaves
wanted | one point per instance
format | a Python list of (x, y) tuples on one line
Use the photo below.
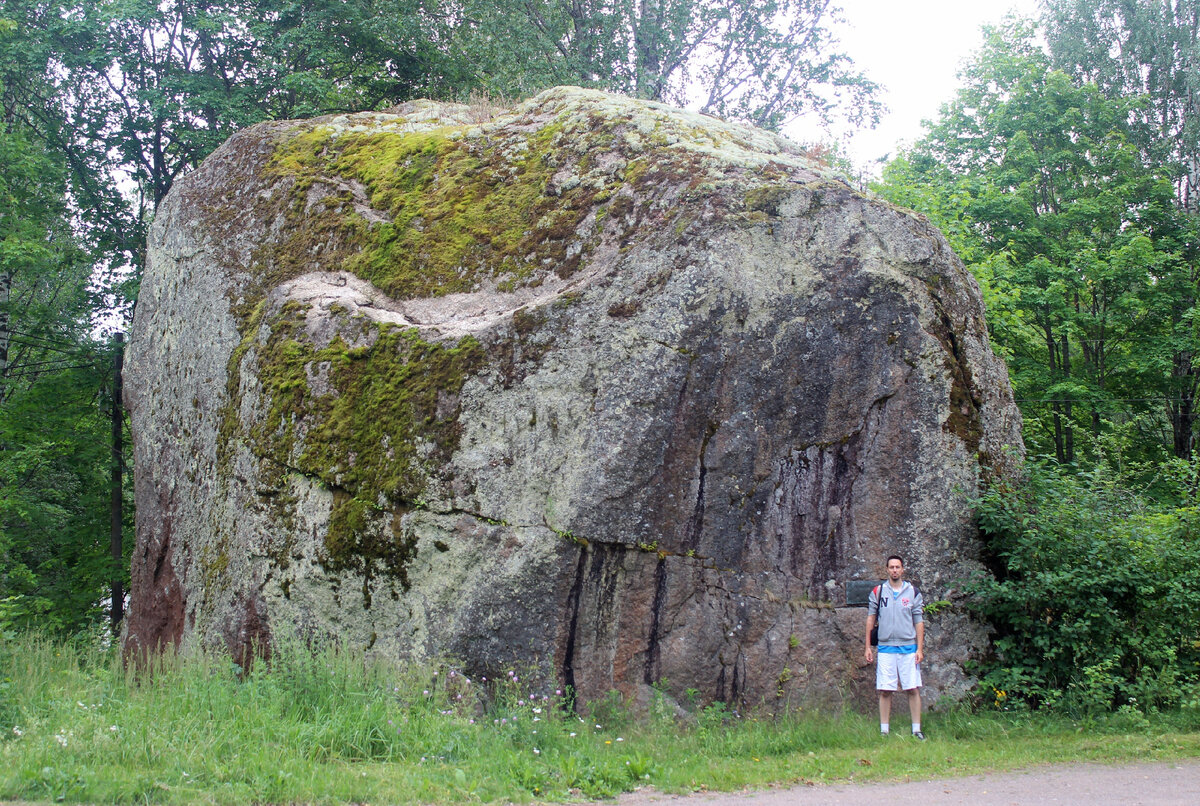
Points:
[(1094, 594)]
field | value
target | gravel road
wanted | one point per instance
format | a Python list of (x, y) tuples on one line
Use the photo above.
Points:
[(1158, 784)]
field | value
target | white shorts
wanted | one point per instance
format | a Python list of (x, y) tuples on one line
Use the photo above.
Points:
[(895, 670)]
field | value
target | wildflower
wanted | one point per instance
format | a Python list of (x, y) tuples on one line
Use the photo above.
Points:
[(61, 739), (537, 710), (452, 673), (572, 733), (470, 721), (599, 727), (425, 692), (112, 728), (619, 739), (608, 741), (81, 705), (520, 702), (537, 752), (557, 692), (17, 731), (537, 719)]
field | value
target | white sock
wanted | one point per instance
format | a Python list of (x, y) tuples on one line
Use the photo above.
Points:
[(883, 727), (916, 727)]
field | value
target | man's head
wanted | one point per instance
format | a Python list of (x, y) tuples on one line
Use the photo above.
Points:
[(895, 567)]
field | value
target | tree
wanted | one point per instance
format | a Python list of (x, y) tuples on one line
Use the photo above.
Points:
[(1150, 48), (1070, 228), (52, 443), (762, 61), (1140, 47)]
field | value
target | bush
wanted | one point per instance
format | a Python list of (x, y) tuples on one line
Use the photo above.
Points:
[(1094, 594)]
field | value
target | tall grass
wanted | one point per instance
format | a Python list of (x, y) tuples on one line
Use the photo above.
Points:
[(326, 726)]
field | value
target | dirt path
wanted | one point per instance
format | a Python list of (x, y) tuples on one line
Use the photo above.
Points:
[(1158, 784)]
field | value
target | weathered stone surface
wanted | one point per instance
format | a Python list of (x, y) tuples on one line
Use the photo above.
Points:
[(619, 391)]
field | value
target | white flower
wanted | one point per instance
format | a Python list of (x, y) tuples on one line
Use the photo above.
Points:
[(17, 731), (113, 729), (537, 752)]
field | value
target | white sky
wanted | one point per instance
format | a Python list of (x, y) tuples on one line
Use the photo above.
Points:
[(914, 48)]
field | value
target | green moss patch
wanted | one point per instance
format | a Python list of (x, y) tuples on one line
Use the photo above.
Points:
[(446, 210), (427, 213), (374, 422)]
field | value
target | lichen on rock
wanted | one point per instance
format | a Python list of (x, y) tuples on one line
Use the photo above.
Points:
[(617, 389)]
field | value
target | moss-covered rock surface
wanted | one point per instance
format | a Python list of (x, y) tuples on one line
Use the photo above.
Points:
[(594, 386)]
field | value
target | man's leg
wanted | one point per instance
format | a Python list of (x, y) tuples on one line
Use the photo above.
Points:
[(885, 710), (914, 708)]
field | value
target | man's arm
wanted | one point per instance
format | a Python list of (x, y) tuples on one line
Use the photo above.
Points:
[(867, 653), (920, 640)]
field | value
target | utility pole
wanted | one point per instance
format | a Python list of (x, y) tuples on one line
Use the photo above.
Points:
[(118, 434)]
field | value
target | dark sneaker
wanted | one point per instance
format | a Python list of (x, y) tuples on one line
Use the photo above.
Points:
[(918, 735)]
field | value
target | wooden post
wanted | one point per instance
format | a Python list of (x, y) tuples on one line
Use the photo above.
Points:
[(118, 432)]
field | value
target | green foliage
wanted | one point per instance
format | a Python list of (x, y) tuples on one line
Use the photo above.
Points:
[(1095, 597), (54, 443), (763, 61), (1157, 57), (1042, 186)]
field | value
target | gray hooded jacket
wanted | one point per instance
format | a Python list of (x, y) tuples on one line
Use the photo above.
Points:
[(899, 613)]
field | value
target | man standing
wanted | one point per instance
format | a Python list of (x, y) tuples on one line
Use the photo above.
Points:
[(896, 606)]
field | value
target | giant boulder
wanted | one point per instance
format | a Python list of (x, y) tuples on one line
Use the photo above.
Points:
[(616, 391)]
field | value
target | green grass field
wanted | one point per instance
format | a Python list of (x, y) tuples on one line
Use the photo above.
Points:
[(328, 728)]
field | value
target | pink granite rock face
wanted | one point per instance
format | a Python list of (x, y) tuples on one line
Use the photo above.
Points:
[(610, 389)]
